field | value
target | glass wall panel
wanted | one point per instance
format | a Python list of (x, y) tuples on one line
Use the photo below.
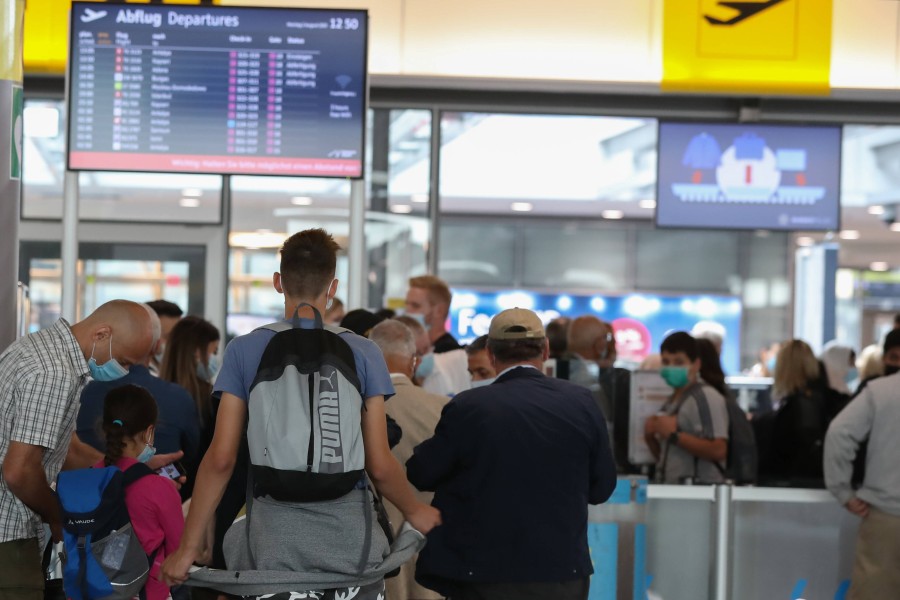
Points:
[(574, 255), (398, 230), (106, 196), (477, 252), (100, 281), (687, 260), (766, 293)]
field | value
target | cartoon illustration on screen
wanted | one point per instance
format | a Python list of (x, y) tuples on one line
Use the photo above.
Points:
[(747, 171)]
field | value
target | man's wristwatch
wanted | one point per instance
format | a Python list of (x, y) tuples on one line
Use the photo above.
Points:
[(673, 438)]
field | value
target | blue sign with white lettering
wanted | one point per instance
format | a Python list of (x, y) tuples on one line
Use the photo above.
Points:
[(640, 321)]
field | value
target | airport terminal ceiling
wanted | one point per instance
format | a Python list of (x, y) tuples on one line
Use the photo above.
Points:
[(503, 153)]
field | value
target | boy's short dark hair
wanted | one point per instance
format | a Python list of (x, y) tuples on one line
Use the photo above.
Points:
[(479, 344), (164, 308), (680, 341), (308, 263)]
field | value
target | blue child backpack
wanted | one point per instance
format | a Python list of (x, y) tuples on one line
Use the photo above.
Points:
[(103, 557)]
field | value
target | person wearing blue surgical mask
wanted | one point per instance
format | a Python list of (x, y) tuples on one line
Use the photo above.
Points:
[(187, 362), (687, 447), (42, 376), (129, 426), (428, 301)]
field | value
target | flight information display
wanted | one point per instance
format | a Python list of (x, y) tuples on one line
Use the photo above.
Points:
[(223, 90), (749, 176)]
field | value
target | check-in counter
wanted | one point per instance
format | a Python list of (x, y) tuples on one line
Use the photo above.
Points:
[(732, 543)]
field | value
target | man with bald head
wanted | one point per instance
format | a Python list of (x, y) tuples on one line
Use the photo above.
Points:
[(178, 424), (41, 379), (589, 344), (417, 412)]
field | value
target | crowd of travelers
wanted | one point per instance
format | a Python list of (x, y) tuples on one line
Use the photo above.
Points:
[(353, 454)]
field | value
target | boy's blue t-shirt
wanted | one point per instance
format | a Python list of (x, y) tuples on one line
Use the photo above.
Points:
[(242, 356)]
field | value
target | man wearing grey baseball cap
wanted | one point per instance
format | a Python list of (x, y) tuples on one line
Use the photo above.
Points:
[(514, 465)]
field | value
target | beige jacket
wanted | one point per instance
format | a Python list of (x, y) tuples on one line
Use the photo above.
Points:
[(417, 412)]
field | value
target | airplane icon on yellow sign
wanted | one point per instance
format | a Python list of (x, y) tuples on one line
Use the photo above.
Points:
[(745, 11)]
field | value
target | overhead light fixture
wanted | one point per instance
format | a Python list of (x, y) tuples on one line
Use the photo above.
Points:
[(522, 206), (189, 203), (403, 209), (879, 266), (805, 241), (895, 227), (849, 234), (254, 240), (876, 210), (419, 198), (301, 200), (191, 192), (648, 204), (612, 214)]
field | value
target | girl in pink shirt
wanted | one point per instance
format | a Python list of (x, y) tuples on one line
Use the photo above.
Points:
[(129, 421)]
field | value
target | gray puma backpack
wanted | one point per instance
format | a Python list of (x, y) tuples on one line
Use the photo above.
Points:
[(304, 429)]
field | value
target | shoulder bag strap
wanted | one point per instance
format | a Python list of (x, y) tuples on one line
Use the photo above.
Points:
[(135, 472), (696, 392)]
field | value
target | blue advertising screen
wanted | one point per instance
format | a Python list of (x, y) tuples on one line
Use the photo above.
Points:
[(748, 177), (640, 321), (214, 89)]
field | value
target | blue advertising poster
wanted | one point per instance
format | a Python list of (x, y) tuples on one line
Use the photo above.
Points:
[(748, 176), (640, 321)]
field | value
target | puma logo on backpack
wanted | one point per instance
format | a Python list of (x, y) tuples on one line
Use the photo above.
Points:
[(104, 558), (304, 430)]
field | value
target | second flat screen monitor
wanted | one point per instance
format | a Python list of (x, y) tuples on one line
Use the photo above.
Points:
[(749, 177), (215, 89)]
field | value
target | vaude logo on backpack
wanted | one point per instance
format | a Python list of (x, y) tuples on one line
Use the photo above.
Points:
[(304, 429), (104, 558)]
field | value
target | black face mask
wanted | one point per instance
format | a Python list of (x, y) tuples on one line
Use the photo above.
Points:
[(891, 369)]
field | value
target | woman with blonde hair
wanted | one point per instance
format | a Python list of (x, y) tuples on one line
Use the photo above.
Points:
[(791, 439), (796, 369)]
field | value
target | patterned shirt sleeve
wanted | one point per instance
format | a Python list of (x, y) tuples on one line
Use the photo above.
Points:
[(39, 409)]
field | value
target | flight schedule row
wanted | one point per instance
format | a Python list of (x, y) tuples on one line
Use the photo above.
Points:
[(128, 98)]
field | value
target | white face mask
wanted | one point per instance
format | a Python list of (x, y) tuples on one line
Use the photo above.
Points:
[(483, 382), (330, 301)]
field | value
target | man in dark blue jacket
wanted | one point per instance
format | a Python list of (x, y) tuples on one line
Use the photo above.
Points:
[(514, 466)]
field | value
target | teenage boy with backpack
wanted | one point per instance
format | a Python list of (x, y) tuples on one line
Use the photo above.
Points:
[(294, 537), (689, 437)]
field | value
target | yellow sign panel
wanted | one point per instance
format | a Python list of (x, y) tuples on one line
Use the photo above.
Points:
[(11, 40), (47, 33), (754, 46)]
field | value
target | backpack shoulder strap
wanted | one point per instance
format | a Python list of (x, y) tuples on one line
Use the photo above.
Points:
[(705, 418), (280, 326), (135, 472), (336, 330), (696, 392), (277, 326)]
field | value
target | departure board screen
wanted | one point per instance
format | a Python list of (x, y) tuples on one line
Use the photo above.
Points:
[(211, 89)]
